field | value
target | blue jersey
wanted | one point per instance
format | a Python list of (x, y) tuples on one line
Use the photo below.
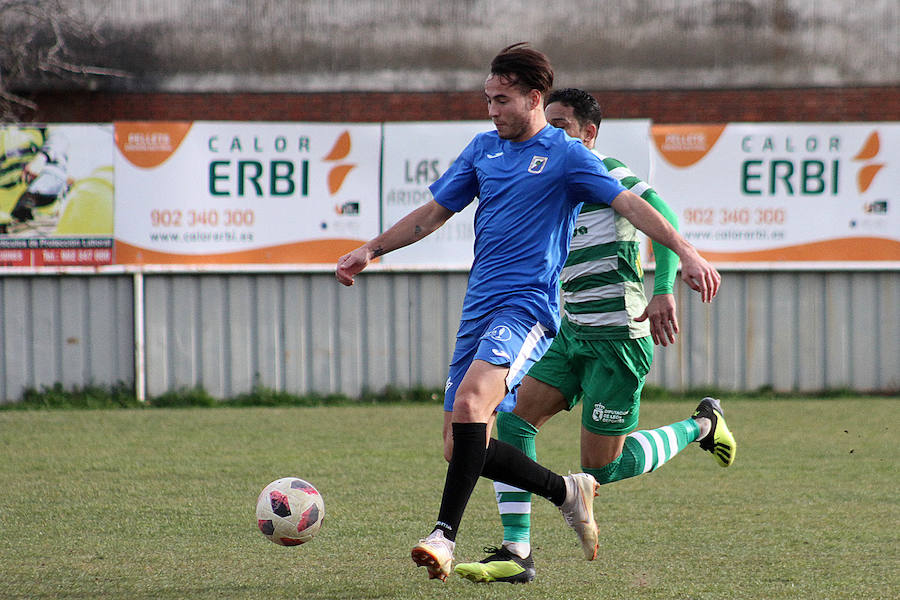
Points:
[(529, 194)]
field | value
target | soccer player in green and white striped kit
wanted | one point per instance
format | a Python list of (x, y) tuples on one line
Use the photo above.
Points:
[(601, 356)]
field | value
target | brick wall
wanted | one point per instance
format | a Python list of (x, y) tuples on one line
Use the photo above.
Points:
[(666, 106)]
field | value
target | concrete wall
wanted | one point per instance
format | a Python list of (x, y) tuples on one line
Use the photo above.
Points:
[(432, 45)]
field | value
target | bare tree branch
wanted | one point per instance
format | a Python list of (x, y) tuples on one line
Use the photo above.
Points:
[(12, 98), (54, 64), (34, 45)]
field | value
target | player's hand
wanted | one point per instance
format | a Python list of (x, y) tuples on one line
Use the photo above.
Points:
[(350, 264), (700, 276), (663, 322)]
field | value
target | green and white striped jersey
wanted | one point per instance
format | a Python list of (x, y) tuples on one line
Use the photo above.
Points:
[(602, 279)]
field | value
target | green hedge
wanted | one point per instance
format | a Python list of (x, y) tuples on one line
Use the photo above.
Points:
[(122, 395)]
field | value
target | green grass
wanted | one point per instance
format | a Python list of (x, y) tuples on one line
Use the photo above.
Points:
[(158, 504)]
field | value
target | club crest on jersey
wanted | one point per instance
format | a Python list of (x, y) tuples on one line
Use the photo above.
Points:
[(537, 164)]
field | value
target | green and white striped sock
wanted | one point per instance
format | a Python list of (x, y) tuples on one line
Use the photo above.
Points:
[(515, 504), (647, 450)]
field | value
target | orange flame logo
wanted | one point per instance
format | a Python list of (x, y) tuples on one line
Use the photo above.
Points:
[(869, 150), (338, 173)]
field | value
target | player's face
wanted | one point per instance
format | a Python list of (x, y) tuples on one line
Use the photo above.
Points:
[(562, 116), (509, 108)]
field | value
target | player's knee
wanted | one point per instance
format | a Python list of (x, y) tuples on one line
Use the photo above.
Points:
[(513, 423), (606, 473), (535, 418), (471, 407)]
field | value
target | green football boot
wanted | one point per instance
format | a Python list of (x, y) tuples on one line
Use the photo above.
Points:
[(719, 440), (502, 565)]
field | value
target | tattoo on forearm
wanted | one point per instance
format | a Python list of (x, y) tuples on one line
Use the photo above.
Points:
[(418, 230), (378, 252)]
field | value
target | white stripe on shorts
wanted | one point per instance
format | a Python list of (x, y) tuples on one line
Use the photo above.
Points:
[(531, 340)]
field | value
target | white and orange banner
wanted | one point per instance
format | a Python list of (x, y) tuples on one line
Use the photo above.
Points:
[(256, 193), (224, 192), (774, 192)]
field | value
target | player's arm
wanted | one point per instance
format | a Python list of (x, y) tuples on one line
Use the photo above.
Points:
[(53, 151), (660, 311), (666, 260), (696, 272), (411, 228)]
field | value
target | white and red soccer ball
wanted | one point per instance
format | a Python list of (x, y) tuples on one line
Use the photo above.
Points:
[(289, 511)]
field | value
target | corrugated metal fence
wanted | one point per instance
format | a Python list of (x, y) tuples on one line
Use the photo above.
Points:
[(301, 332)]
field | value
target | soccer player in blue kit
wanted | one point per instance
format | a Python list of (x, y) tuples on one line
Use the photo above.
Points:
[(530, 180)]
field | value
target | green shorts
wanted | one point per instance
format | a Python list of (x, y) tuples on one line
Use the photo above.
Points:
[(607, 375)]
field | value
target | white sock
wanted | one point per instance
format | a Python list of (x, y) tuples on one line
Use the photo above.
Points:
[(438, 534), (520, 549), (705, 425)]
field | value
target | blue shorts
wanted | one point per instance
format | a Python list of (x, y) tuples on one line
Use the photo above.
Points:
[(505, 337)]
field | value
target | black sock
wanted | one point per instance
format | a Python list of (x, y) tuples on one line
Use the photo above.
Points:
[(466, 464), (507, 464)]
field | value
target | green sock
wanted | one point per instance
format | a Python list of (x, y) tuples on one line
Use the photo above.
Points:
[(515, 504), (647, 450)]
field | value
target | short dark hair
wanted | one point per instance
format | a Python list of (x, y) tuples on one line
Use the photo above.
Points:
[(525, 67), (584, 106)]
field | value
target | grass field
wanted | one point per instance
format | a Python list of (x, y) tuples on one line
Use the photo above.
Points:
[(159, 504)]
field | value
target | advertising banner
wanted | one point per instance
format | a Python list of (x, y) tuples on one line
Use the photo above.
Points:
[(772, 192), (416, 154), (223, 192), (184, 193), (56, 195)]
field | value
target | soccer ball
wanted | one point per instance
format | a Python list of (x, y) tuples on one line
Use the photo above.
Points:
[(289, 511)]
